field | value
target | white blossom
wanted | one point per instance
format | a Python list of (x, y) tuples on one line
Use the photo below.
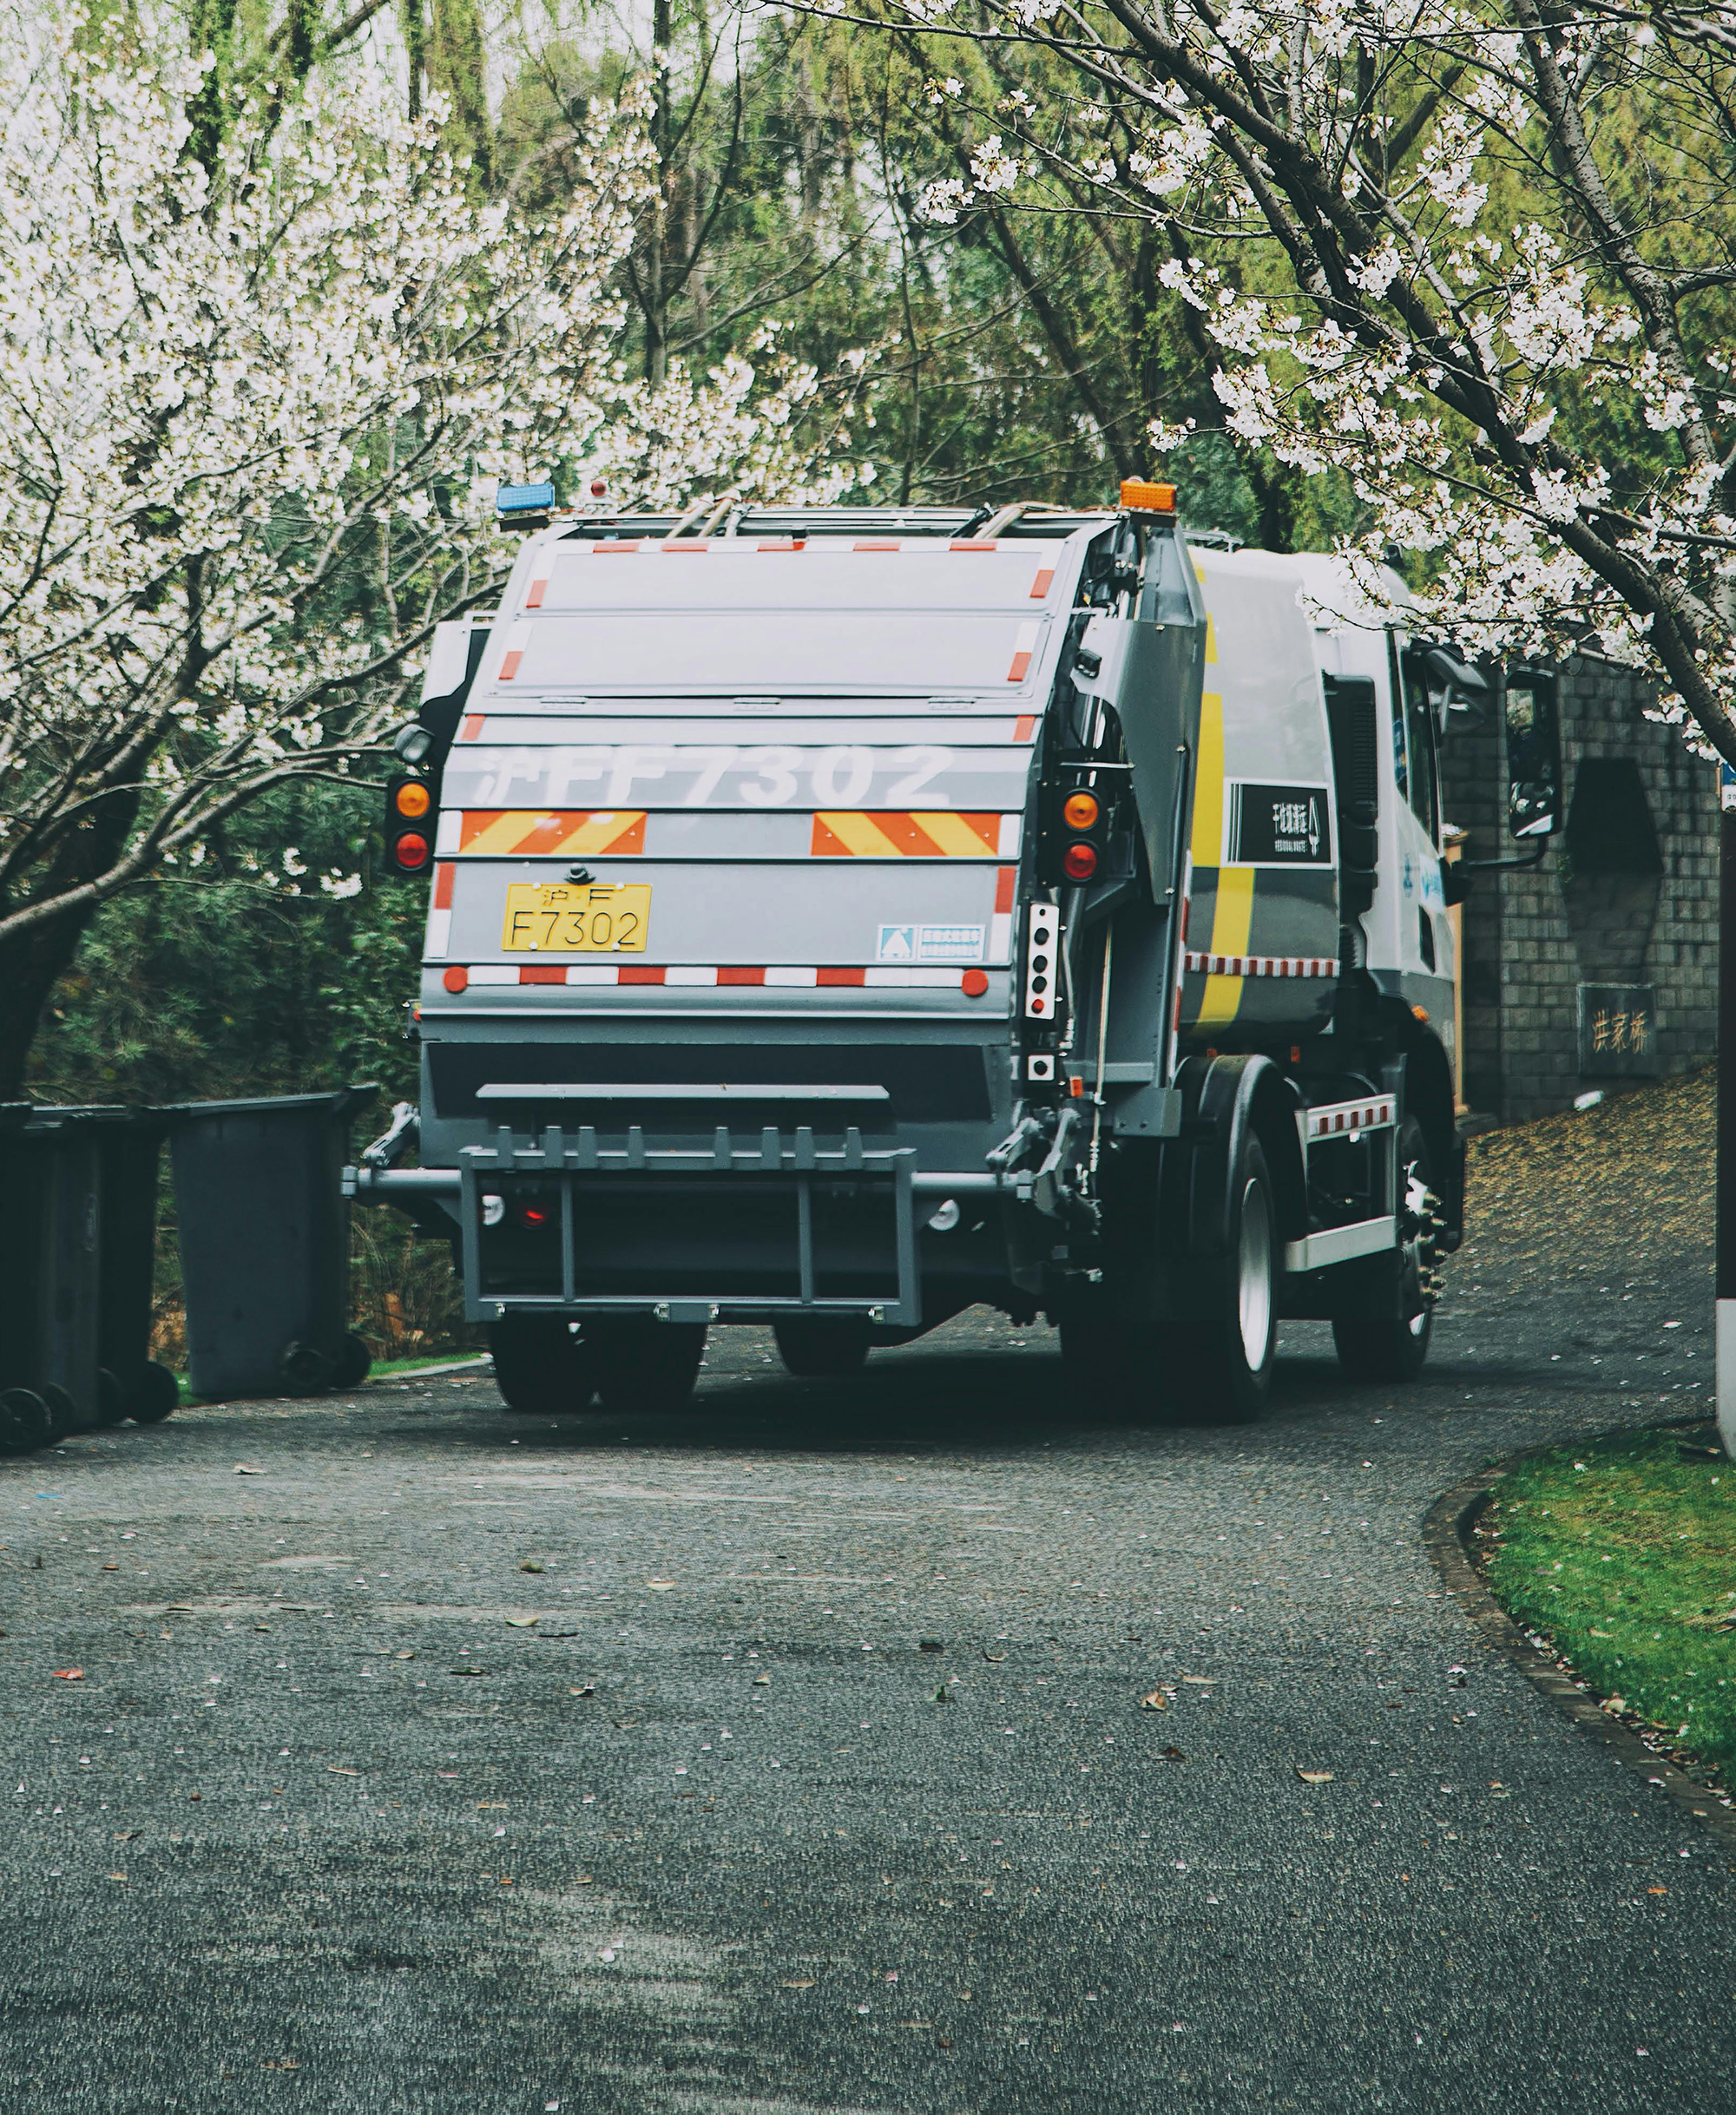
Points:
[(252, 423)]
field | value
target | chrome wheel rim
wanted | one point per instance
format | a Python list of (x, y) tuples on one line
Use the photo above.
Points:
[(1255, 1286)]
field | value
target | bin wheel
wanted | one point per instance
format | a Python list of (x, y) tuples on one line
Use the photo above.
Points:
[(644, 1366), (25, 1422), (1382, 1331), (306, 1371), (354, 1362), (822, 1349), (541, 1369), (62, 1410), (155, 1394)]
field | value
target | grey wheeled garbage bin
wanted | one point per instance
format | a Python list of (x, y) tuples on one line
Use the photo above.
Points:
[(51, 1263), (264, 1243), (133, 1384), (26, 1421)]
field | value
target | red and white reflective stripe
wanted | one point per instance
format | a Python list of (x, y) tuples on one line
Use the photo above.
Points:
[(1001, 924), (875, 976), (1261, 965), (540, 572), (1024, 647), (1332, 1118), (472, 729), (618, 546), (516, 641), (440, 912), (1024, 726)]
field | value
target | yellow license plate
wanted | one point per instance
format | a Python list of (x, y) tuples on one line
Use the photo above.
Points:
[(577, 918)]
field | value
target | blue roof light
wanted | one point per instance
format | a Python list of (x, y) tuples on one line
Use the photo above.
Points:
[(524, 499)]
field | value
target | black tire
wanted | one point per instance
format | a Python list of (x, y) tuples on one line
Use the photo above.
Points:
[(304, 1369), (25, 1422), (644, 1366), (1227, 1376), (822, 1349), (354, 1362), (541, 1369), (155, 1394), (1382, 1332), (111, 1400), (62, 1410)]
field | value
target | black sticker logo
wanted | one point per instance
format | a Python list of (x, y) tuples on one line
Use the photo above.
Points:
[(1279, 826)]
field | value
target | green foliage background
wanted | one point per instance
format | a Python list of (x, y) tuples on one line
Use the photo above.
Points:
[(1014, 357)]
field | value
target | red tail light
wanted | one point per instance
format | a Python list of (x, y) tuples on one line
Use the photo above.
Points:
[(1079, 862)]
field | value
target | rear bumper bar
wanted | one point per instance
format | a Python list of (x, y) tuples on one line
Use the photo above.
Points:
[(793, 1169), (388, 1186)]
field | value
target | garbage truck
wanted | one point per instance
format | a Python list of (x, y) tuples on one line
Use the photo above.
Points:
[(839, 917)]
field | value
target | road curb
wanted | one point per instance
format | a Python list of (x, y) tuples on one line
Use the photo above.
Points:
[(1446, 1536)]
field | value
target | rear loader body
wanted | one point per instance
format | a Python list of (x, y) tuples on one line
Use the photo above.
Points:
[(860, 915)]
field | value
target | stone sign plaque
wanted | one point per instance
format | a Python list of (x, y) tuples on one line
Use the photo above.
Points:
[(1618, 1031)]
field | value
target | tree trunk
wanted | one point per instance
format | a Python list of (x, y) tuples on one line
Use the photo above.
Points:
[(33, 963), (30, 967)]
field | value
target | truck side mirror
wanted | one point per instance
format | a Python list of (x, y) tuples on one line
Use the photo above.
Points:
[(1533, 752)]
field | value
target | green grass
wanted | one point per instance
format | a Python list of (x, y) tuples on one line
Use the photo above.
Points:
[(1622, 1553), (382, 1369)]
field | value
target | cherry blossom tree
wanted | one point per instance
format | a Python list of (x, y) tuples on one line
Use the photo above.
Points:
[(1475, 257), (253, 409)]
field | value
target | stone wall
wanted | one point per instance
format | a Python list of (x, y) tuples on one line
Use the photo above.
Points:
[(1610, 905)]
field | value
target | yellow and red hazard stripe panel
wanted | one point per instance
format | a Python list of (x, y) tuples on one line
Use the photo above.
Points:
[(945, 834), (835, 833), (550, 834)]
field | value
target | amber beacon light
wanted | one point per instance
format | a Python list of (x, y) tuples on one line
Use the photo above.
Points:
[(1142, 496)]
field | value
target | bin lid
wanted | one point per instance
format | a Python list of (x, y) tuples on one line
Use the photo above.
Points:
[(338, 1101), (51, 1115)]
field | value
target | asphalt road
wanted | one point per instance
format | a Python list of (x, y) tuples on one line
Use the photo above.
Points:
[(326, 1824)]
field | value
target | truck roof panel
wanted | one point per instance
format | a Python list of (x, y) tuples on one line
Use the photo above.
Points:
[(883, 572), (762, 648)]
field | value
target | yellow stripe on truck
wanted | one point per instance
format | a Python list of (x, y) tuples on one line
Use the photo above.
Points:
[(1208, 784), (1230, 925)]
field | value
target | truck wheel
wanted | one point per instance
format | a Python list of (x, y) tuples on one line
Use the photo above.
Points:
[(644, 1366), (817, 1349), (1383, 1331), (540, 1366), (1227, 1371)]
